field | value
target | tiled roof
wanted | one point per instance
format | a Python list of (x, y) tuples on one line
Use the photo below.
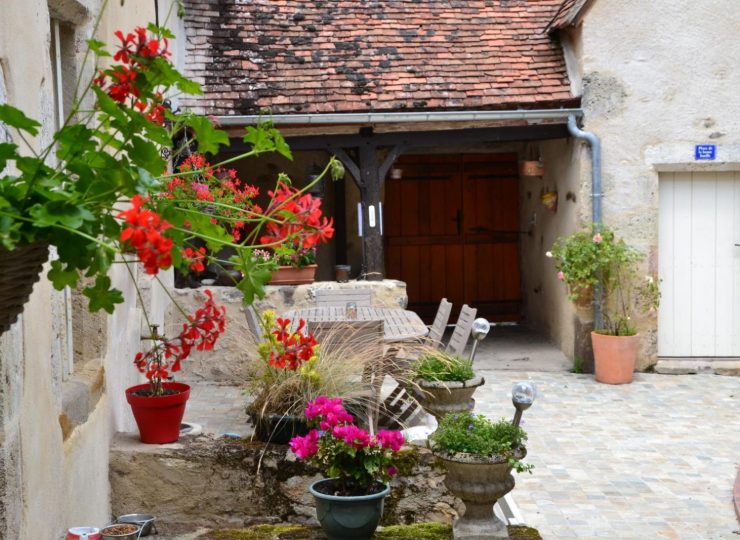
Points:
[(317, 56), (567, 14)]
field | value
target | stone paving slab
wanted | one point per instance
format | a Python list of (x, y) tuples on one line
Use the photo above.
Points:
[(656, 459)]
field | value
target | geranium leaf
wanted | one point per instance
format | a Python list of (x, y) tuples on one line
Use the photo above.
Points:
[(98, 47), (60, 212), (146, 155), (102, 296), (60, 277), (8, 151), (17, 119), (209, 138)]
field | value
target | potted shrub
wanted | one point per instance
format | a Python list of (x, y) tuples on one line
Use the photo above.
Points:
[(479, 456), (291, 370), (291, 265), (444, 383), (603, 267), (349, 503)]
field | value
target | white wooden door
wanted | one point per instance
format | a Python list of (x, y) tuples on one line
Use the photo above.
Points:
[(699, 265)]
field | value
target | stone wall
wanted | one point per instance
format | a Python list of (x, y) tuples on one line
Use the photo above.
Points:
[(227, 362), (202, 481)]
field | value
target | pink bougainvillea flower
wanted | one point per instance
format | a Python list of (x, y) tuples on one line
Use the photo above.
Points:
[(598, 238), (352, 435), (390, 439), (561, 276), (305, 447)]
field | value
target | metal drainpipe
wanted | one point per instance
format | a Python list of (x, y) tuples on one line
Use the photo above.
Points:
[(596, 195)]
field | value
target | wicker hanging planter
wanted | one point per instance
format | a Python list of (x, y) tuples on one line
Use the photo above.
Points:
[(19, 270)]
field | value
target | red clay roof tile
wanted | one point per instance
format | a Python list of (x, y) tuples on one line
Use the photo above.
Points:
[(374, 55)]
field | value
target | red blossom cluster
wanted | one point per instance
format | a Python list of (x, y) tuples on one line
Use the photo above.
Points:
[(293, 348), (235, 198), (200, 332), (299, 219), (123, 82), (195, 258), (144, 232)]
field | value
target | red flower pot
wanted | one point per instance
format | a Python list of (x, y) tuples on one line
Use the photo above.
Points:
[(159, 417)]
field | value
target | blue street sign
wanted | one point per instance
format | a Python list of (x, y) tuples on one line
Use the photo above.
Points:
[(705, 152)]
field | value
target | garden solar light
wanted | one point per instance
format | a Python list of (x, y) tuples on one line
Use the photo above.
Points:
[(480, 330), (522, 396)]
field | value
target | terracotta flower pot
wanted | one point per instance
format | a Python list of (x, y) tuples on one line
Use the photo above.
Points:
[(442, 397), (289, 275), (614, 357), (159, 417)]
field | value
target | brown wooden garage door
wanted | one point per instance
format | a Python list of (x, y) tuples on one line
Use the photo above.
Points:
[(451, 230)]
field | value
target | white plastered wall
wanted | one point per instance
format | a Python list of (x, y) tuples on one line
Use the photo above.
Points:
[(658, 78), (49, 482)]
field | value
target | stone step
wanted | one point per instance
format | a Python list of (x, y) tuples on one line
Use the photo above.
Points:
[(690, 366)]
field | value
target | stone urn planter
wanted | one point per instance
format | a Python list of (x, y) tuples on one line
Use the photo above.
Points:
[(348, 517), (442, 397), (479, 481), (289, 275), (614, 357)]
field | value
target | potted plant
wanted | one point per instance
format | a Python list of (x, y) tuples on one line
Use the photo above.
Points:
[(349, 503), (290, 265), (292, 370), (444, 383), (98, 189), (479, 456), (603, 267), (158, 406)]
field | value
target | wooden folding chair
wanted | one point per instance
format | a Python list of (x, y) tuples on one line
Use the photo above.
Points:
[(437, 330), (462, 330), (341, 297), (338, 335), (399, 406)]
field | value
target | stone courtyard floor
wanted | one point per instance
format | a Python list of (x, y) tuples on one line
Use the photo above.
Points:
[(650, 460)]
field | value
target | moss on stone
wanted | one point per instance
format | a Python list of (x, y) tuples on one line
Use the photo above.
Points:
[(406, 461), (523, 533), (416, 531)]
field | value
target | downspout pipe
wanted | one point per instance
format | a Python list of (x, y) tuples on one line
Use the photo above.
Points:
[(596, 195)]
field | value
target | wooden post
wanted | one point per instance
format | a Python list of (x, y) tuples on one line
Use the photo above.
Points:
[(372, 240)]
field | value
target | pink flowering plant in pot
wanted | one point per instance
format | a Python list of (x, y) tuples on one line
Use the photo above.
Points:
[(356, 462)]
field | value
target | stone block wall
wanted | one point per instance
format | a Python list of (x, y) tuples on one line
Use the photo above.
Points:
[(202, 481), (226, 363)]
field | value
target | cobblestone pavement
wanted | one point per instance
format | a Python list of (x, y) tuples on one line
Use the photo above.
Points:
[(651, 460)]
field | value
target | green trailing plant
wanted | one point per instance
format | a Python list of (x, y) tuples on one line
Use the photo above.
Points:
[(468, 433), (436, 365), (603, 267)]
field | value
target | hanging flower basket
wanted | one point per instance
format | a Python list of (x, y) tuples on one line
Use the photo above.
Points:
[(19, 270)]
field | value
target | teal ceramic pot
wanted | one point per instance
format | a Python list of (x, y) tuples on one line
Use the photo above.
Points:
[(348, 518)]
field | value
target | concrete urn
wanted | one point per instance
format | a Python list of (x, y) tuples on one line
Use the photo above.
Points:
[(479, 481), (442, 397)]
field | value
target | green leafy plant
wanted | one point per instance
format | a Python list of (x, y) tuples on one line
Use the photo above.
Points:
[(601, 266), (101, 187), (475, 434), (436, 365)]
